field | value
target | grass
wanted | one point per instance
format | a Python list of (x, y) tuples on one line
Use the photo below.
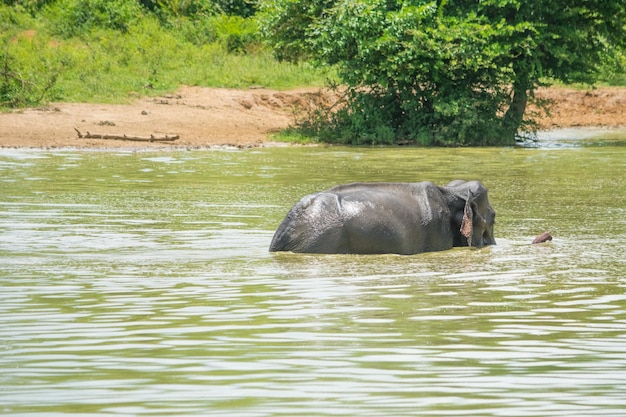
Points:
[(109, 66), (294, 135)]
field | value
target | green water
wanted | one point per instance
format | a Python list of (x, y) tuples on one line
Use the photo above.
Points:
[(139, 283)]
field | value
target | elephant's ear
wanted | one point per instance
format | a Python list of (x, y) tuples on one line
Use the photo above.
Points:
[(468, 217)]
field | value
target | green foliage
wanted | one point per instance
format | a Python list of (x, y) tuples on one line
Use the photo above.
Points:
[(11, 18), (33, 6), (74, 17), (29, 69), (187, 7), (202, 21), (242, 8), (103, 64), (287, 25), (612, 67), (29, 72), (443, 72), (236, 33), (416, 76)]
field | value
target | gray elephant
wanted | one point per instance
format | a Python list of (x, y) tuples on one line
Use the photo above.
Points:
[(402, 218)]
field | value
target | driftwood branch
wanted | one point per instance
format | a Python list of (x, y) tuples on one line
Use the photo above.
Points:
[(152, 138)]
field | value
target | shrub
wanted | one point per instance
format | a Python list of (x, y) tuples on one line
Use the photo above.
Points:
[(33, 6), (189, 8), (75, 17), (236, 33), (29, 71)]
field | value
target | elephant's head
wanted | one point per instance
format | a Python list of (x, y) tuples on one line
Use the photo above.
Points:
[(472, 217)]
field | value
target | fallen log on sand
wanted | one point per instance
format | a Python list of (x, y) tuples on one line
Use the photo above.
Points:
[(152, 138)]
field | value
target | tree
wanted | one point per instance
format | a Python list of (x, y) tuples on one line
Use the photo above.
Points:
[(289, 25), (446, 72)]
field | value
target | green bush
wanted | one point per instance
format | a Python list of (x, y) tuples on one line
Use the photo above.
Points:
[(613, 67), (11, 19), (202, 21), (30, 68), (198, 31), (189, 8), (75, 17), (236, 33), (369, 119), (287, 25), (32, 6), (242, 8)]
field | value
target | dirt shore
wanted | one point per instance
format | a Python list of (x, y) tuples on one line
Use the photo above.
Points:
[(209, 117)]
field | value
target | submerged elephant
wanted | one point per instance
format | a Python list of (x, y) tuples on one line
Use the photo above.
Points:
[(402, 218)]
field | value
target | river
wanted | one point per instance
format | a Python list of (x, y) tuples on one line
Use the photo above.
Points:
[(139, 283)]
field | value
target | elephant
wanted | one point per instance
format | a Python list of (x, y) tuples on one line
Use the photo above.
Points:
[(386, 217)]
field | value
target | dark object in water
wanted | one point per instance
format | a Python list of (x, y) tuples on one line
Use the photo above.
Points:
[(544, 237)]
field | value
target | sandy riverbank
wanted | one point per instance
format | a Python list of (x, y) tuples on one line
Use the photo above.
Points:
[(210, 117)]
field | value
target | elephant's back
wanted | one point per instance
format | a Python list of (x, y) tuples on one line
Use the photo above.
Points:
[(402, 218), (380, 188), (403, 199)]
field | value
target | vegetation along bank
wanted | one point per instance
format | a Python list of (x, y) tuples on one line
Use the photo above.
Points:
[(423, 72)]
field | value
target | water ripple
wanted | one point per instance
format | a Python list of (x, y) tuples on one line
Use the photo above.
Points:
[(131, 289)]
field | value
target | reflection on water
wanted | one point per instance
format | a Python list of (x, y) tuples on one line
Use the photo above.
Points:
[(140, 284)]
